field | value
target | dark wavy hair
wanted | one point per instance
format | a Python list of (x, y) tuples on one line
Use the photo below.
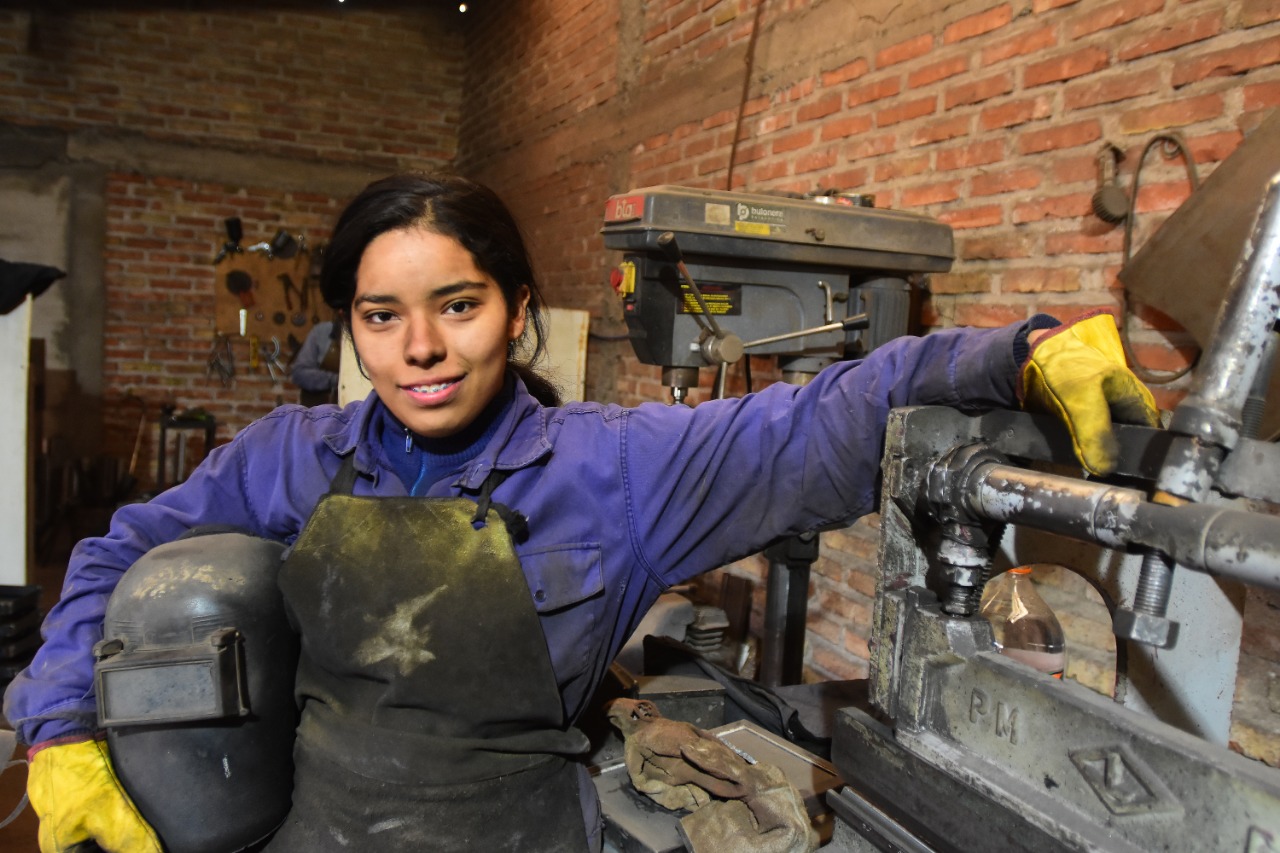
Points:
[(451, 206)]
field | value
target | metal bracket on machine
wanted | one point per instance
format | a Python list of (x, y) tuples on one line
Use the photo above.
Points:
[(1000, 757), (1004, 758)]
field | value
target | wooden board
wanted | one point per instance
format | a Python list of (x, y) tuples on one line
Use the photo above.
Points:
[(282, 297)]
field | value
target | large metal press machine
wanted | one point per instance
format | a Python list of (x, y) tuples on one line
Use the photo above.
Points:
[(960, 748)]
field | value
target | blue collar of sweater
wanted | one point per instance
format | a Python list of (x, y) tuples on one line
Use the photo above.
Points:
[(419, 462)]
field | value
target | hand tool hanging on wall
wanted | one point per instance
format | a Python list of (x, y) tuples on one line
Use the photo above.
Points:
[(130, 480), (221, 360), (240, 283), (299, 317), (235, 233), (283, 245), (271, 356), (312, 283), (290, 289), (295, 347)]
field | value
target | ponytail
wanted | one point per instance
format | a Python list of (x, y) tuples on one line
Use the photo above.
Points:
[(539, 386)]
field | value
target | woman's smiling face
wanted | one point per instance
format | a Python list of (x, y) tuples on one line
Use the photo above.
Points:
[(431, 329)]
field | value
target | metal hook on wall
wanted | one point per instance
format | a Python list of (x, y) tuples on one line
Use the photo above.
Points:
[(1110, 204), (1171, 145)]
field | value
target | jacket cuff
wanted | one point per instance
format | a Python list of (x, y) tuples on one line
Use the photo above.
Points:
[(1022, 349), (77, 737)]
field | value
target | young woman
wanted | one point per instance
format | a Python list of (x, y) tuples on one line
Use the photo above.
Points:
[(467, 556)]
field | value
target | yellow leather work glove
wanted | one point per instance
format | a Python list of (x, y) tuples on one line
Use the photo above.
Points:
[(78, 798), (1077, 372)]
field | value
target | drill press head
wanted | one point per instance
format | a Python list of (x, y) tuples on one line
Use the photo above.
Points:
[(763, 268)]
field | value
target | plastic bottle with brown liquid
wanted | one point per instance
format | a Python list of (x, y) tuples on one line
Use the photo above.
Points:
[(1023, 625)]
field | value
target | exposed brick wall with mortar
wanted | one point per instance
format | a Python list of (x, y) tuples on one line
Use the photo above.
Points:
[(160, 301), (987, 115), (537, 74), (282, 95), (373, 89)]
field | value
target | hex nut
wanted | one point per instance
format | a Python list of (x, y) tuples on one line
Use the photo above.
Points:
[(1145, 628)]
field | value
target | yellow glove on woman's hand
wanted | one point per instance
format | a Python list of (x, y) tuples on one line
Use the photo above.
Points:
[(78, 798), (1078, 373)]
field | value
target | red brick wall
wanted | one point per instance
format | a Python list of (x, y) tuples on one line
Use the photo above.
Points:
[(990, 117), (280, 95), (987, 115), (159, 329), (338, 85), (537, 74)]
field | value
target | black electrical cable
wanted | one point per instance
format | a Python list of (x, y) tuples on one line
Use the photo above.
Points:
[(746, 90), (1173, 146)]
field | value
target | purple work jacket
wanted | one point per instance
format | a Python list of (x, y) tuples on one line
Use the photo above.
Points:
[(621, 503)]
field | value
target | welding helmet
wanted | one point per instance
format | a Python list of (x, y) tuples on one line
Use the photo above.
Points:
[(194, 678)]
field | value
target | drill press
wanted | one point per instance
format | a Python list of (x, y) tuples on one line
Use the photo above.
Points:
[(708, 276)]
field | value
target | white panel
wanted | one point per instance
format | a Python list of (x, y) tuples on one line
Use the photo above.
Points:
[(566, 357), (34, 231), (15, 367), (351, 382)]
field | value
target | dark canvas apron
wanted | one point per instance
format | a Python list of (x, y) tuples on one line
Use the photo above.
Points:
[(431, 719)]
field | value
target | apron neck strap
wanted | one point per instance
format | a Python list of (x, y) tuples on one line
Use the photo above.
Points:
[(517, 525), (343, 483)]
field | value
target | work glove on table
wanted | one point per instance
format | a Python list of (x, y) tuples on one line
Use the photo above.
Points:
[(1077, 372), (78, 798)]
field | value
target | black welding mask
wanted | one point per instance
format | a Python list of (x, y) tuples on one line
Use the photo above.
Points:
[(194, 678)]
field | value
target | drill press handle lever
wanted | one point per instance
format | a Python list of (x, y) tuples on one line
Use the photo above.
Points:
[(848, 324), (717, 345), (671, 250)]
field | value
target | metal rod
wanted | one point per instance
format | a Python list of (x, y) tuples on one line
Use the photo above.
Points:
[(786, 609), (708, 321), (854, 321), (1214, 539), (668, 245), (1218, 411), (773, 637), (1255, 404)]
